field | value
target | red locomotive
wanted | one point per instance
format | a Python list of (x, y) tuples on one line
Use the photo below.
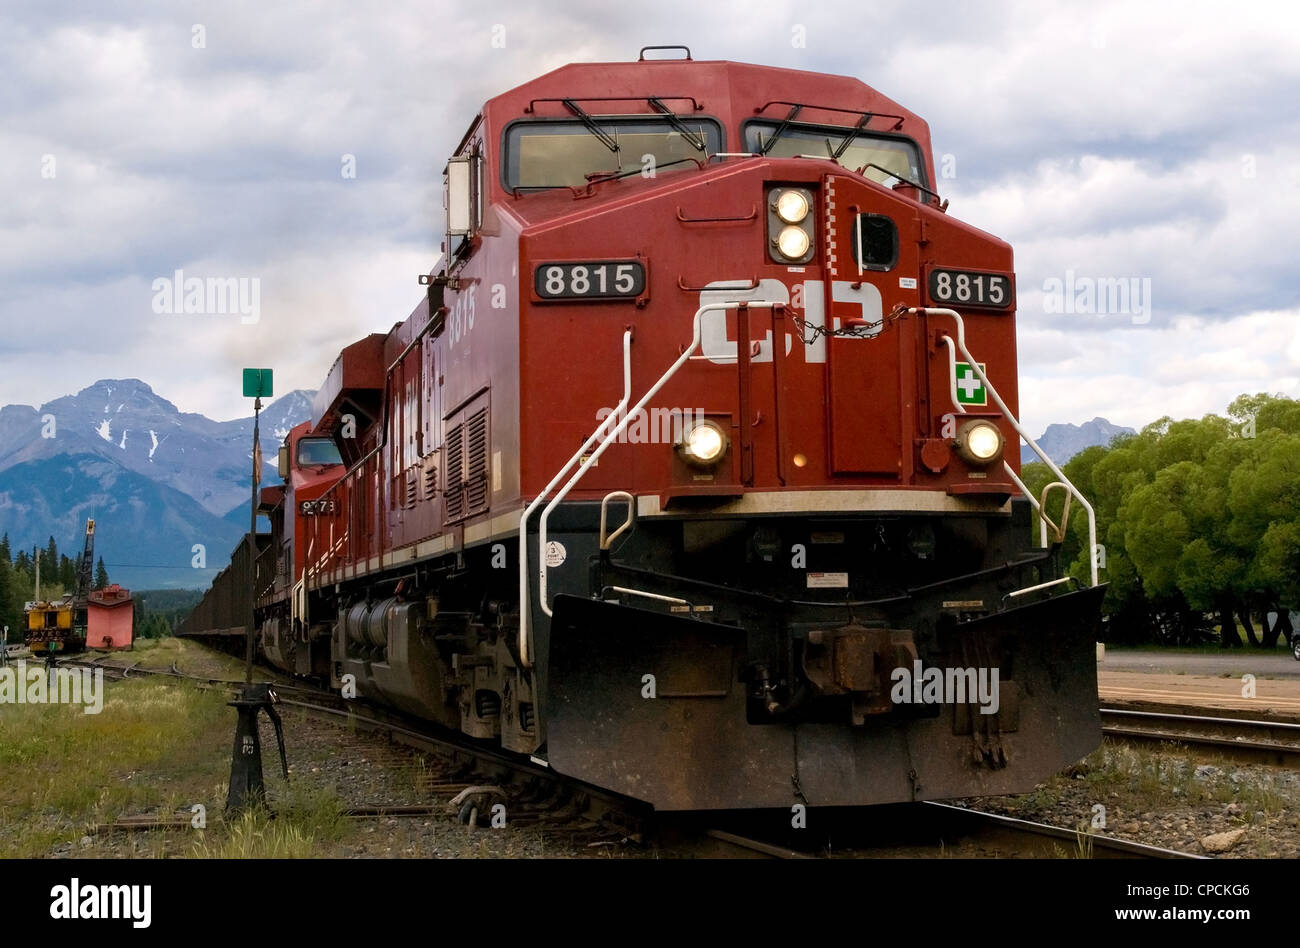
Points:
[(690, 474)]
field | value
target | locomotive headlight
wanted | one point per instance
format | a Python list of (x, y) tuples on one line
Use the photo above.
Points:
[(703, 445), (791, 207), (790, 220), (979, 442), (793, 242)]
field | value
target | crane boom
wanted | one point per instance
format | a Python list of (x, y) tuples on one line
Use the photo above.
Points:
[(86, 568)]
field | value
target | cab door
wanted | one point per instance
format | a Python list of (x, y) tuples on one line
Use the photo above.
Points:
[(873, 268)]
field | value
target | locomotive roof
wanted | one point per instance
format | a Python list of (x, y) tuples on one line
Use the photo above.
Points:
[(718, 86)]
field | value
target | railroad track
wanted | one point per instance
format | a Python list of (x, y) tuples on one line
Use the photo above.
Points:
[(1276, 743), (547, 800), (1040, 839), (930, 830)]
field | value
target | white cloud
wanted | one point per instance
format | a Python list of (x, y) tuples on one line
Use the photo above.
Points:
[(1134, 375)]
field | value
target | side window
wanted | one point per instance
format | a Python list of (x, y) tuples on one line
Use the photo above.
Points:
[(875, 242), (463, 196), (458, 195)]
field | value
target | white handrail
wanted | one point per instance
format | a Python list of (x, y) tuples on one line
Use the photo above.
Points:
[(1029, 589), (525, 600), (613, 434), (1015, 423), (606, 541), (1044, 520)]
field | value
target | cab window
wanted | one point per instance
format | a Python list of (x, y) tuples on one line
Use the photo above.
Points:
[(564, 153), (313, 452), (900, 157)]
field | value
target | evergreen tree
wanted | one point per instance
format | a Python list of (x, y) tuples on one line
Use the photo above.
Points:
[(50, 562), (20, 592), (101, 574)]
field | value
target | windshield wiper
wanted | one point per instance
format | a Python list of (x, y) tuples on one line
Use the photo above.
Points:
[(780, 129), (590, 124), (851, 136), (694, 139), (596, 177)]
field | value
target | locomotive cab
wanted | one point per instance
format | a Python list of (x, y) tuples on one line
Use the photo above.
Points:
[(309, 466)]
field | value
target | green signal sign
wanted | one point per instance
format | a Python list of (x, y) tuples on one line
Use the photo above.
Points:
[(257, 383), (970, 390)]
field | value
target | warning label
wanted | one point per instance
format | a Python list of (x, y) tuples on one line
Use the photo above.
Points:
[(828, 580)]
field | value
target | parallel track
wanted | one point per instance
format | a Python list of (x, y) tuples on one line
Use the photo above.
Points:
[(1276, 743)]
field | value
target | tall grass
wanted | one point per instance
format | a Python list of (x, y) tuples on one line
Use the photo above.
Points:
[(65, 770)]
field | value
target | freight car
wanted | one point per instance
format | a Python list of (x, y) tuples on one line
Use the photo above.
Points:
[(694, 474)]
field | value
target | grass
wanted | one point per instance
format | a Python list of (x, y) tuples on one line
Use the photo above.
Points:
[(186, 655), (156, 653), (66, 770), (1146, 777), (303, 823), (254, 835), (158, 747)]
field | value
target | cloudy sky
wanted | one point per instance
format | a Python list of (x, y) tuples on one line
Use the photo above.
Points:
[(1158, 143)]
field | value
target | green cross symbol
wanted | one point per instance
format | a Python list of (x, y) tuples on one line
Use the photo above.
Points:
[(970, 390)]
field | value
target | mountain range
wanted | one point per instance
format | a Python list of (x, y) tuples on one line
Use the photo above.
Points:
[(1062, 442), (156, 480)]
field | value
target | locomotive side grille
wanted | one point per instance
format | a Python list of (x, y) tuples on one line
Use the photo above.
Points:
[(466, 462), (455, 465), (412, 488), (430, 481), (476, 469)]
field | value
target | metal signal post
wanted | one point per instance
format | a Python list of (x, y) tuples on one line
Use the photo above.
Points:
[(252, 532), (247, 788)]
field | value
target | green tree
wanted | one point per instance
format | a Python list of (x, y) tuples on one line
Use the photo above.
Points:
[(1198, 517), (101, 574), (50, 562), (1263, 497)]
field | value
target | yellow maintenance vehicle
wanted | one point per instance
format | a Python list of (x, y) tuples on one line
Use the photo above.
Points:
[(59, 625)]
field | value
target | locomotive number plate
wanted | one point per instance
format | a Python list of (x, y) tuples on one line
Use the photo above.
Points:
[(311, 508), (601, 279), (971, 288)]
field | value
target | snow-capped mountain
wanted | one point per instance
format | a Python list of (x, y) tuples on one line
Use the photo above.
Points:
[(157, 480)]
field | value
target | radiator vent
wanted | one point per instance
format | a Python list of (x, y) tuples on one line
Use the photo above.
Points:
[(455, 492), (467, 487)]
